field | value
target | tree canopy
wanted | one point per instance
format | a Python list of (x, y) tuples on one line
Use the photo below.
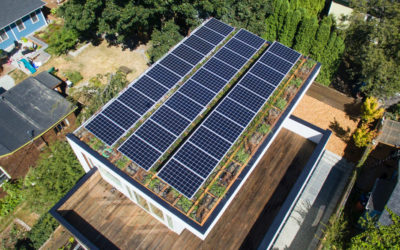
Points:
[(373, 46)]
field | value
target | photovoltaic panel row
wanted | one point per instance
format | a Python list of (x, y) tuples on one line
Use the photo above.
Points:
[(141, 95), (187, 103), (225, 124)]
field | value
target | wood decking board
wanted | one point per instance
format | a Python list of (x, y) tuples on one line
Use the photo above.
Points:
[(129, 227)]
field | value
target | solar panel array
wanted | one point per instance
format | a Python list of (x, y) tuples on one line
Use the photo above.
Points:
[(195, 160), (158, 133), (123, 112)]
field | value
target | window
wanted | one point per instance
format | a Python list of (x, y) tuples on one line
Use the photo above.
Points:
[(3, 176), (142, 202), (169, 220), (59, 127), (34, 17), (20, 25), (157, 211), (111, 178), (3, 35)]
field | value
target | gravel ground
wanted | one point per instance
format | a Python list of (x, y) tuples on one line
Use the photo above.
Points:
[(328, 117)]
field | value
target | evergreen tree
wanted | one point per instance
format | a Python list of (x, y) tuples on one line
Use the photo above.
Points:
[(305, 35), (321, 39), (287, 33)]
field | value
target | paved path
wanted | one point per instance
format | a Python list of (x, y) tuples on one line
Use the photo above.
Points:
[(334, 98)]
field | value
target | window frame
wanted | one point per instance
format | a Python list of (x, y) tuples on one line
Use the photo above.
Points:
[(5, 33), (32, 15), (22, 23)]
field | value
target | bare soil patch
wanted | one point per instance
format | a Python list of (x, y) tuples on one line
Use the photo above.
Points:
[(101, 59), (328, 117)]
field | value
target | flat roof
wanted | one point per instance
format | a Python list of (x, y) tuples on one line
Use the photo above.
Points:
[(253, 102), (111, 220)]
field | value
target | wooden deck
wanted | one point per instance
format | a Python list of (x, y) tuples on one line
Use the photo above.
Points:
[(94, 208)]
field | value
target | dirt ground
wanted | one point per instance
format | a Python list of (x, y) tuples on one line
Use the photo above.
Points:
[(328, 117), (101, 59)]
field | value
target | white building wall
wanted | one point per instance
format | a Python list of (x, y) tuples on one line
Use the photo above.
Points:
[(302, 130)]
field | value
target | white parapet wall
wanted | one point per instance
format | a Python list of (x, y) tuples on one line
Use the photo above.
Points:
[(303, 130)]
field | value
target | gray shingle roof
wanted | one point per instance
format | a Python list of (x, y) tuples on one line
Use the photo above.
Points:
[(12, 10), (29, 108), (48, 79), (393, 204)]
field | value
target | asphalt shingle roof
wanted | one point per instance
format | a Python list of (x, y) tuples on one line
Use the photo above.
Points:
[(12, 10)]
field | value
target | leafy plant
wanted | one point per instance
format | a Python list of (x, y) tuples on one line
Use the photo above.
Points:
[(280, 103), (334, 233), (185, 203), (217, 189), (297, 82), (121, 163), (13, 198), (242, 155), (264, 128), (154, 182)]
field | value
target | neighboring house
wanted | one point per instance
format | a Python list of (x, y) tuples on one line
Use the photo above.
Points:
[(19, 18), (206, 195), (340, 9), (30, 113)]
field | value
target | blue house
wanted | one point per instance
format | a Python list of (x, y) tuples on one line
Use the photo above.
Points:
[(19, 18)]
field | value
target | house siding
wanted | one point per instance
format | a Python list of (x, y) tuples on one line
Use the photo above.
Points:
[(10, 40), (30, 27)]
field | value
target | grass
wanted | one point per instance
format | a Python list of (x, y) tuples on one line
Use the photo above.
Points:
[(74, 76), (18, 75), (242, 155)]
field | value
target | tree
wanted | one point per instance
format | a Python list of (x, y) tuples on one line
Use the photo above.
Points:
[(378, 236), (292, 20), (321, 38), (313, 7), (163, 40), (363, 136), (373, 47), (306, 34), (370, 110)]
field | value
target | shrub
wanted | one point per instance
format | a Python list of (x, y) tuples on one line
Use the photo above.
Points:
[(370, 110), (264, 129), (242, 155), (185, 203), (61, 41), (13, 198), (73, 76), (217, 189)]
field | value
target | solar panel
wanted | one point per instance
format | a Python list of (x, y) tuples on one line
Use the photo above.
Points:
[(155, 135), (276, 62), (121, 115), (219, 26), (235, 112), (184, 106), (221, 69), (253, 83), (231, 58), (246, 98), (209, 80), (209, 35), (197, 92), (224, 125), (267, 74), (285, 52), (170, 120), (136, 101), (241, 48), (163, 76), (249, 38), (210, 142), (189, 55), (199, 44), (181, 178), (150, 88), (175, 64), (143, 93), (142, 153), (196, 159), (104, 129)]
